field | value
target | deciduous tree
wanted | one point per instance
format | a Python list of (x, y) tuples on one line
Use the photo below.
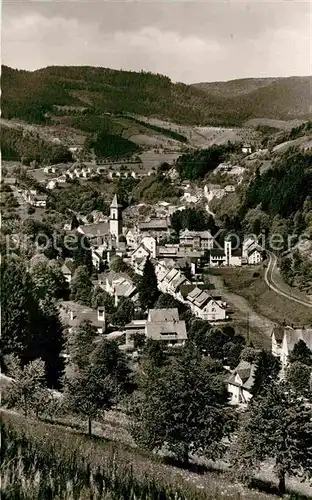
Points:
[(182, 407), (278, 425)]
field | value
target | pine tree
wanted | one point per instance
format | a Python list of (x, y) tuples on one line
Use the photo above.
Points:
[(301, 353), (278, 425), (299, 377), (81, 286), (82, 253), (147, 287), (266, 373), (124, 313), (48, 342), (19, 309)]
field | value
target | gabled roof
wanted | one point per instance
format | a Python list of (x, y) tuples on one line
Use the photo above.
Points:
[(68, 267), (278, 332), (246, 372), (92, 230), (160, 315), (164, 324), (141, 245)]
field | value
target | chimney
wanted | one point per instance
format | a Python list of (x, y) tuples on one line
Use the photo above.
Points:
[(101, 313)]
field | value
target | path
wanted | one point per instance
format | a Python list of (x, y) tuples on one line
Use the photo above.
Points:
[(256, 320), (278, 287)]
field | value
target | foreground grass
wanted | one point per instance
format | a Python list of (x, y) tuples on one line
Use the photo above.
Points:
[(41, 461)]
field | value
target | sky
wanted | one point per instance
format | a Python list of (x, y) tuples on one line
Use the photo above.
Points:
[(189, 41)]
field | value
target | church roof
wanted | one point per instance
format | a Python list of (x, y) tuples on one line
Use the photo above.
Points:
[(114, 203)]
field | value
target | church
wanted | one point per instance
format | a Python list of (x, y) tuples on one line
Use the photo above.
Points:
[(105, 235)]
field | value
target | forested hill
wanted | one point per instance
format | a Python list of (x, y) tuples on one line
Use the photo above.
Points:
[(279, 98), (31, 95)]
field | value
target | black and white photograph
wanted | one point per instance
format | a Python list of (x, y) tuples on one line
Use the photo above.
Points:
[(156, 250)]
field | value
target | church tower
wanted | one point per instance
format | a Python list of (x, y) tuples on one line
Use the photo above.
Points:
[(115, 222)]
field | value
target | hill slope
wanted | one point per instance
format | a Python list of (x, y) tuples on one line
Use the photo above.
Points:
[(33, 95), (279, 98)]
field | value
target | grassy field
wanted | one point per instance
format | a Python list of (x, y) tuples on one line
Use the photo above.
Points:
[(132, 467), (249, 283)]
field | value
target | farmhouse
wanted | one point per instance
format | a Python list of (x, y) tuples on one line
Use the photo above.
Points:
[(240, 383), (251, 251)]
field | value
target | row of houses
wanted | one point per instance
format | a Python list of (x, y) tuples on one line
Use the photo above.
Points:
[(202, 304)]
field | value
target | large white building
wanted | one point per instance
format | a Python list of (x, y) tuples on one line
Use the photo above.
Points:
[(225, 257)]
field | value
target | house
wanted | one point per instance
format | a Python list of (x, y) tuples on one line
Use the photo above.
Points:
[(68, 269), (165, 325), (246, 148), (118, 285), (197, 239), (251, 251), (204, 306), (158, 228), (97, 255), (72, 314), (139, 254), (131, 238), (240, 383), (283, 340), (11, 181), (40, 200)]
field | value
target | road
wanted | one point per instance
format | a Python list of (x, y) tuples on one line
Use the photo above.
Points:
[(278, 288)]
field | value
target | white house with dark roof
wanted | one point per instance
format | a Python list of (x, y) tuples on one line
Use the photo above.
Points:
[(283, 340), (252, 251), (205, 306), (68, 269), (240, 383)]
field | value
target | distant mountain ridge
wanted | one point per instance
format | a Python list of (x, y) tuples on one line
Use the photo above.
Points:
[(31, 95)]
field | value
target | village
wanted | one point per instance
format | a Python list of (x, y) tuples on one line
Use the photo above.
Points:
[(181, 262)]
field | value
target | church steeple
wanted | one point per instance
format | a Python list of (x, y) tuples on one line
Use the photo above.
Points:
[(114, 203), (115, 223)]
